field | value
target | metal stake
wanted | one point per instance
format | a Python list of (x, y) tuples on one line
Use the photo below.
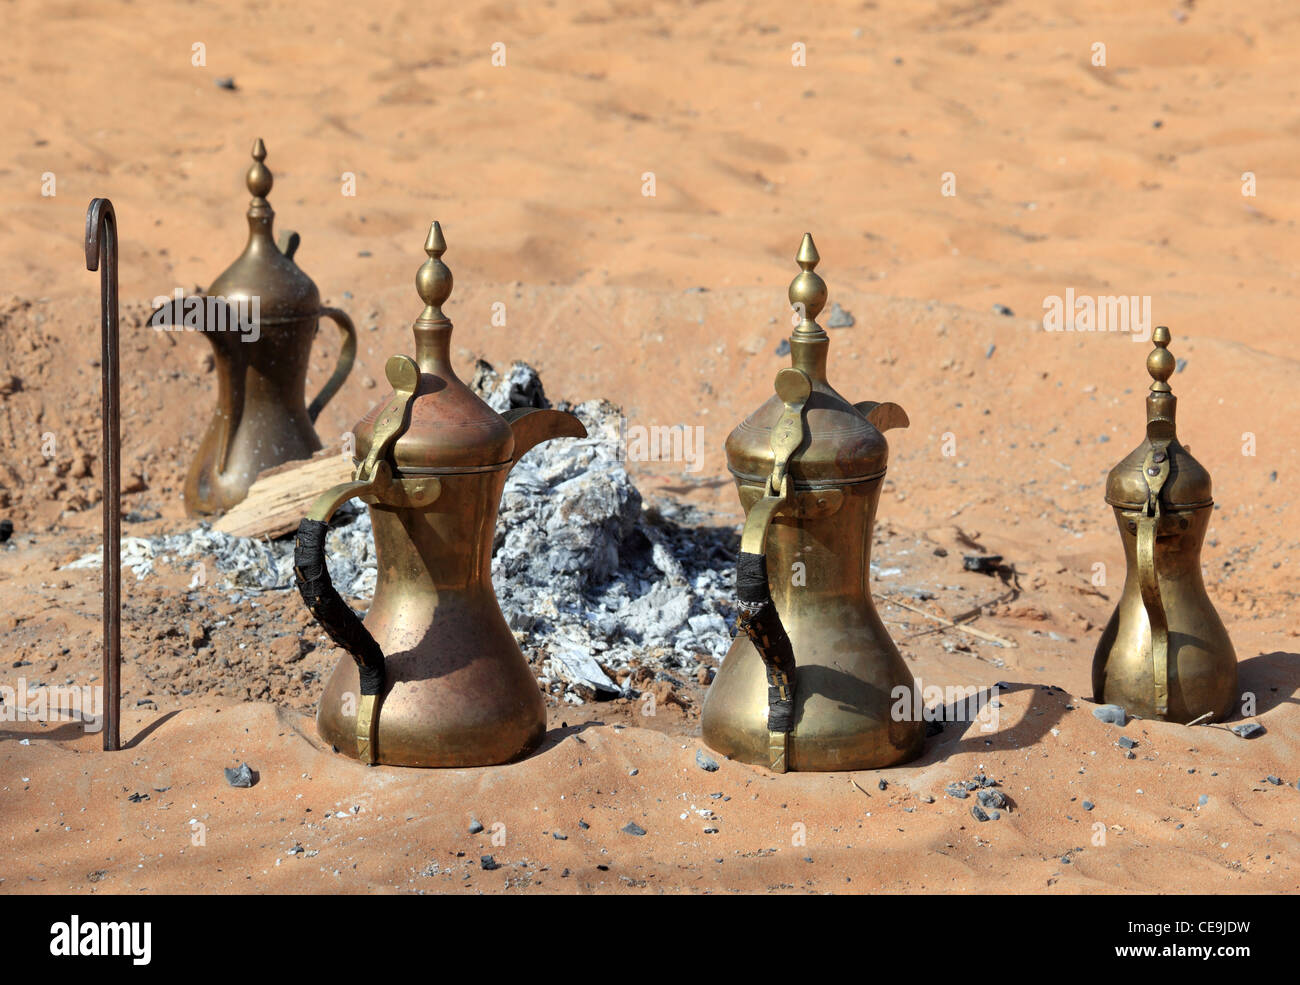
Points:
[(101, 241)]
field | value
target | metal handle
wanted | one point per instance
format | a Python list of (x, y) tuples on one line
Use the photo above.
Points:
[(347, 355), (373, 480), (342, 625), (756, 613), (101, 242), (1155, 470)]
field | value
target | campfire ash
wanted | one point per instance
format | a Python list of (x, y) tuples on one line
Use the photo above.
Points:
[(593, 581)]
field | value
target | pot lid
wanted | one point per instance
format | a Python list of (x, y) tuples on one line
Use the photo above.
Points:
[(450, 428), (1160, 465), (264, 270), (842, 445)]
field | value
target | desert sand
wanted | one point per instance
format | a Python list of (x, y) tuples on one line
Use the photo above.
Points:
[(1123, 178)]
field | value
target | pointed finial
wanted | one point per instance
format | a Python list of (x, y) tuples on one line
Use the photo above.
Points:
[(1160, 362), (808, 291), (258, 177), (808, 257), (433, 280)]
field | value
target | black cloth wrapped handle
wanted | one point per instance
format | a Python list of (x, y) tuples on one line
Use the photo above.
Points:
[(758, 619), (334, 615)]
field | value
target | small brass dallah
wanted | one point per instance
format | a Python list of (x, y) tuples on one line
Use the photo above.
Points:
[(435, 676), (812, 680), (1165, 653), (261, 323)]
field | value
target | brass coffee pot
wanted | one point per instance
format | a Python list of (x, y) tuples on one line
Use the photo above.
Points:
[(435, 676), (1164, 654), (812, 679), (261, 326)]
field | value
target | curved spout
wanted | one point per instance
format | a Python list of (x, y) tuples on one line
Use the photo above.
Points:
[(212, 317), (533, 425)]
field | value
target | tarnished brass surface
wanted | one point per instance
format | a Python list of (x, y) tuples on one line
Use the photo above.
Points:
[(262, 418), (458, 691), (1165, 653), (818, 549)]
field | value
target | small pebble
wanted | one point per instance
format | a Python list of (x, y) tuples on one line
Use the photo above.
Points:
[(991, 798), (956, 790), (226, 83), (882, 785), (839, 318), (1002, 309), (1111, 715), (1126, 743), (487, 863), (1088, 805), (240, 776), (1203, 799), (1247, 730), (475, 827), (632, 828), (985, 564), (1275, 780), (977, 812), (706, 763)]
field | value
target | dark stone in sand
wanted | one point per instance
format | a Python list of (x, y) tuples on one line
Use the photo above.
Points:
[(1111, 715), (983, 563), (991, 798), (706, 763)]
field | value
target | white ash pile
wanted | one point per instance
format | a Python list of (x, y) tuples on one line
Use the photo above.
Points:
[(591, 577), (605, 593), (250, 564)]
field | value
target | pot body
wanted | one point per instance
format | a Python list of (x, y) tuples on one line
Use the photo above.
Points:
[(458, 691), (261, 418), (849, 672), (1202, 665)]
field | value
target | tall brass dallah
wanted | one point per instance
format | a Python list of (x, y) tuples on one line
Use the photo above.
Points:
[(267, 314), (435, 676), (1164, 654), (812, 677)]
